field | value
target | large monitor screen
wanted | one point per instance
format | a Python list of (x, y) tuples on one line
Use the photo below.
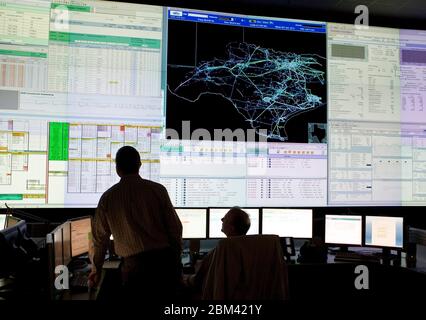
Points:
[(194, 222), (77, 82), (80, 230), (215, 221), (376, 116), (343, 229), (384, 231), (258, 104), (295, 223), (224, 109)]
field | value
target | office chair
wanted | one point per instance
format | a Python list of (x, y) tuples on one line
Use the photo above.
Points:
[(247, 268)]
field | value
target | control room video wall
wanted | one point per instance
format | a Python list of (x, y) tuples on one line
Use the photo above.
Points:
[(225, 109)]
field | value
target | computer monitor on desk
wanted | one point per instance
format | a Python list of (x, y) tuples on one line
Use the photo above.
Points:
[(343, 230), (291, 223), (194, 222), (387, 232), (215, 221), (80, 229)]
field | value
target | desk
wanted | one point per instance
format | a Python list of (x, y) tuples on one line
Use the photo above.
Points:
[(110, 279), (336, 281)]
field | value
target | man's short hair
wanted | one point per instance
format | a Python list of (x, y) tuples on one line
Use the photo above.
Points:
[(128, 160), (240, 220)]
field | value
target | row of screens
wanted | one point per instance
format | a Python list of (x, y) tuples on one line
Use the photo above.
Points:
[(71, 239), (198, 224), (340, 109), (201, 223)]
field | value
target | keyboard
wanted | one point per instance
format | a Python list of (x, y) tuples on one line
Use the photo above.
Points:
[(355, 256), (79, 281)]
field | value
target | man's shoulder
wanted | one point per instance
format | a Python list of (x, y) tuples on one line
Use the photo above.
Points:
[(153, 185), (141, 184), (108, 192)]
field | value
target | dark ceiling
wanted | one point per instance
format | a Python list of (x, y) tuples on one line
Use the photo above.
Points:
[(391, 13), (390, 8)]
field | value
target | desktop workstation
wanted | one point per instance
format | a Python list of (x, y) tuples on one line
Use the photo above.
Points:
[(379, 242), (68, 245)]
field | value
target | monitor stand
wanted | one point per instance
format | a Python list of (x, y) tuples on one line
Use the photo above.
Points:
[(194, 250), (388, 257)]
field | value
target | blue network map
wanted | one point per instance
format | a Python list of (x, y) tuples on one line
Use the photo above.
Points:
[(267, 87)]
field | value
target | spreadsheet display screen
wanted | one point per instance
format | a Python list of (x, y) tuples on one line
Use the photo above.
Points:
[(77, 82)]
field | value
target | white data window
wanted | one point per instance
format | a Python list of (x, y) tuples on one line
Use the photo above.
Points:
[(296, 223), (384, 231), (25, 22), (376, 163), (215, 222), (343, 229), (203, 159), (194, 222), (191, 192), (413, 76), (216, 173), (363, 73), (104, 52)]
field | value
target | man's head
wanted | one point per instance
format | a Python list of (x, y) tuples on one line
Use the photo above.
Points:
[(236, 222), (127, 161)]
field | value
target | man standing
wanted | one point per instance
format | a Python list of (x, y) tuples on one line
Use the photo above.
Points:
[(146, 229)]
